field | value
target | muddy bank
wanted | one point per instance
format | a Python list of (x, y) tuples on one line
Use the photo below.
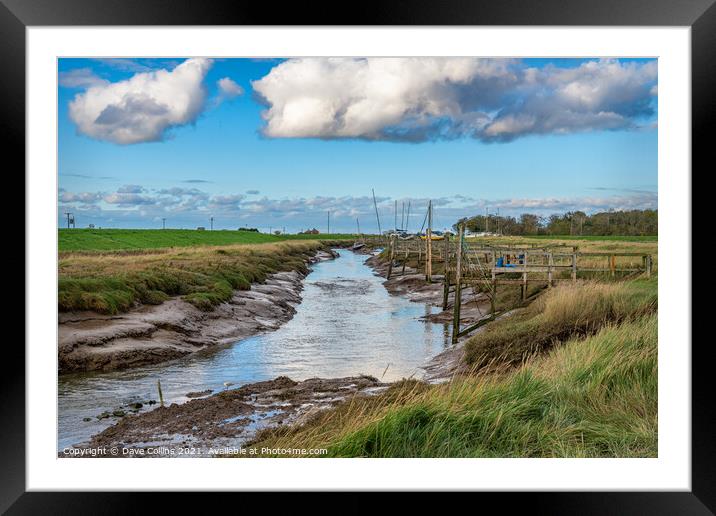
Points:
[(155, 333), (228, 418)]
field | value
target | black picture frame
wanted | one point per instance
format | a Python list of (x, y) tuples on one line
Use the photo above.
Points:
[(700, 15)]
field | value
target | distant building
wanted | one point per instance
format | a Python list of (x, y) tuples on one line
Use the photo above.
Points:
[(313, 231), (201, 228)]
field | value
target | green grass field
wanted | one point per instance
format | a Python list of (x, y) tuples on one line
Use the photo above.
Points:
[(618, 238), (127, 239)]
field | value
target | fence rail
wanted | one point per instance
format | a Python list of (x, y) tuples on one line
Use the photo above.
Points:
[(475, 263)]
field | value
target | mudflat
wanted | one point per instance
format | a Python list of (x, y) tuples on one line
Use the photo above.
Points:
[(155, 333)]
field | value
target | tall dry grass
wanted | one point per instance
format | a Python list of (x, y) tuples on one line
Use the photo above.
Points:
[(568, 310)]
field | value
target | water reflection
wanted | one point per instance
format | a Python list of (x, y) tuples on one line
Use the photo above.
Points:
[(347, 324)]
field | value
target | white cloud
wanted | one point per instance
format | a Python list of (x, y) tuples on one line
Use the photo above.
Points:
[(228, 88), (79, 197), (143, 107), (130, 189), (194, 205), (414, 99), (80, 78), (128, 199)]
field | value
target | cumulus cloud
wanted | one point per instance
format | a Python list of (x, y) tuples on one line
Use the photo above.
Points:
[(143, 107), (228, 88), (79, 197), (417, 99), (226, 203), (80, 78), (128, 199), (195, 206), (130, 189)]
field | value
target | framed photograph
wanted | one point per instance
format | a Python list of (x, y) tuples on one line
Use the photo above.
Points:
[(437, 249)]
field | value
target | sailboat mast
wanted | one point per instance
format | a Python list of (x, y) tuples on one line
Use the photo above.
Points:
[(376, 212), (407, 218)]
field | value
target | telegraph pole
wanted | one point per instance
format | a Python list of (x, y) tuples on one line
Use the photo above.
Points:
[(68, 218), (164, 223), (329, 223)]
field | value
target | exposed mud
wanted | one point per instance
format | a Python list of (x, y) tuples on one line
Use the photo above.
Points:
[(451, 362), (231, 417), (151, 334)]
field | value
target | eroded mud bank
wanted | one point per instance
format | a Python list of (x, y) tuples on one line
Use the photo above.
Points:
[(152, 334), (229, 418)]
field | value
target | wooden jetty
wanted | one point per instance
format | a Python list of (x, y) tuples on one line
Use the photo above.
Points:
[(484, 267)]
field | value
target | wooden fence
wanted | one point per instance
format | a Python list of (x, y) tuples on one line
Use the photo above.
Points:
[(466, 263)]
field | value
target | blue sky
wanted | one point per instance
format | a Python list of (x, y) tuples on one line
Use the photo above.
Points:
[(279, 143)]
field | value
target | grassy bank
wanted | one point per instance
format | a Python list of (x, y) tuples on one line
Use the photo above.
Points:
[(593, 395), (569, 311), (128, 239), (204, 276)]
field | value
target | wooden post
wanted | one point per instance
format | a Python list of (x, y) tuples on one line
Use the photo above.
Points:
[(392, 256), (161, 395), (524, 277), (612, 265), (574, 264), (405, 259), (493, 294), (648, 266), (550, 262), (429, 245), (458, 286), (446, 278)]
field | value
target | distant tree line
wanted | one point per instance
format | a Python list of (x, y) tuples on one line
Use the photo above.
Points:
[(631, 222)]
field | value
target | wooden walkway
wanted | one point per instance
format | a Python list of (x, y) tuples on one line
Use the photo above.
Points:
[(485, 267)]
